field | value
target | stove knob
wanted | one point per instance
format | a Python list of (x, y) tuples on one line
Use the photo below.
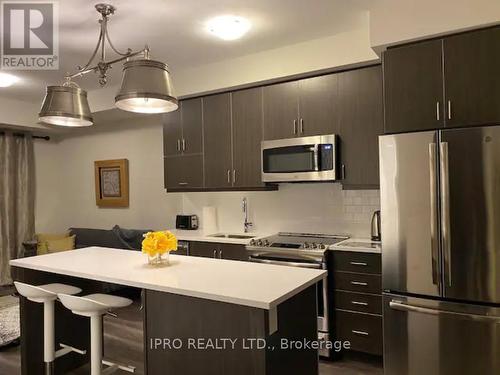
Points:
[(266, 243), (259, 243), (307, 245), (314, 245), (322, 246), (252, 242)]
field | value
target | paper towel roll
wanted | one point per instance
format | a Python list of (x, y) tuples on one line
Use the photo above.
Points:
[(209, 220)]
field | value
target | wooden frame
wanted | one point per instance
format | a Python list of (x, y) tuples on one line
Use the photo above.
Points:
[(111, 183)]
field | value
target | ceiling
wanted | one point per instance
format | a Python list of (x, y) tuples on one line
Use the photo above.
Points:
[(174, 30)]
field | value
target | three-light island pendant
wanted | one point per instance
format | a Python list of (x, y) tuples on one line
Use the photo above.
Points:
[(146, 84)]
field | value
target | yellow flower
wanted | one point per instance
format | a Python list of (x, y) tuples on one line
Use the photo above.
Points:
[(159, 243)]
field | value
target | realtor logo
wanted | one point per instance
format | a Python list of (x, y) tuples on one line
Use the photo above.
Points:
[(30, 35)]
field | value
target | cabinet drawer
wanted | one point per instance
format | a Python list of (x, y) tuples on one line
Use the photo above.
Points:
[(357, 282), (351, 261), (366, 303), (363, 331)]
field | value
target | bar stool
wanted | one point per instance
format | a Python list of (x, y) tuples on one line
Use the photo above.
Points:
[(47, 294), (95, 306)]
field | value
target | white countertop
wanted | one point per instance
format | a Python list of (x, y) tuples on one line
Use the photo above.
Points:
[(243, 283), (199, 235), (363, 245)]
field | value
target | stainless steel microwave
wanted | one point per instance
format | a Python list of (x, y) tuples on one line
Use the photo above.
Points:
[(302, 159)]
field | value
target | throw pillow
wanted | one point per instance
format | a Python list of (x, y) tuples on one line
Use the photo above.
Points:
[(63, 244), (42, 239)]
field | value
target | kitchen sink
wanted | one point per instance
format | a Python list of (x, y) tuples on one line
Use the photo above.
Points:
[(235, 236)]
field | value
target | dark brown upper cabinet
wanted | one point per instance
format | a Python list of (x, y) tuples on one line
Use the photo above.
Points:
[(281, 110), (247, 135), (361, 121), (217, 141), (413, 86), (183, 172), (183, 129), (472, 78), (301, 108), (318, 106)]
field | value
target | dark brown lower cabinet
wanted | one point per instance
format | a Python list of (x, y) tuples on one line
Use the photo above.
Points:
[(356, 295), (218, 250)]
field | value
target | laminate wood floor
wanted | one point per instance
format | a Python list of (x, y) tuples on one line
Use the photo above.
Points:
[(123, 343)]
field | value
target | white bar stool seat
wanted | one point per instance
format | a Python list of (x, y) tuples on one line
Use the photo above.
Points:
[(94, 306), (47, 294)]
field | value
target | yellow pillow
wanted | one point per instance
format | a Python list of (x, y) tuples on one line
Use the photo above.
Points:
[(42, 238), (63, 244)]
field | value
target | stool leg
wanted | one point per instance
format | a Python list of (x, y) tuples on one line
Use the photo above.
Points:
[(48, 337), (95, 344)]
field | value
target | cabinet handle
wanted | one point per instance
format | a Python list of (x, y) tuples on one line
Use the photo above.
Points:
[(215, 253), (228, 176), (359, 283), (183, 144), (301, 126), (183, 183), (438, 107), (234, 176), (178, 145), (343, 171), (294, 126), (363, 264), (449, 109), (220, 254), (359, 303), (361, 333)]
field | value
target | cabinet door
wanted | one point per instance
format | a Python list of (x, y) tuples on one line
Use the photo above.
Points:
[(413, 84), (172, 133), (281, 109), (192, 128), (183, 172), (233, 252), (204, 249), (361, 122), (247, 135), (318, 106), (217, 140), (472, 78)]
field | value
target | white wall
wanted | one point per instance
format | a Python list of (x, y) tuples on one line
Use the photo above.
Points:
[(396, 21), (65, 193), (313, 208)]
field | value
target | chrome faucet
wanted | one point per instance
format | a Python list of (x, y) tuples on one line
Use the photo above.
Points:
[(247, 224)]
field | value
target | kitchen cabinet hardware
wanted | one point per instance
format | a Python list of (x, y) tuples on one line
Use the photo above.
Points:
[(183, 144), (361, 333), (215, 254), (294, 126), (449, 109), (301, 126), (228, 176), (360, 283), (363, 264), (220, 254), (183, 183), (438, 110), (234, 176), (359, 303)]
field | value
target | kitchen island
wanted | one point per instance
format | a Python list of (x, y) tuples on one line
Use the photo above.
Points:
[(249, 314)]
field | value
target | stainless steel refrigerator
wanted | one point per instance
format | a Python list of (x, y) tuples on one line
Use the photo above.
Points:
[(440, 202)]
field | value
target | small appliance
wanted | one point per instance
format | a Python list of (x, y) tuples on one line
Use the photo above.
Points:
[(187, 222), (376, 236), (302, 159)]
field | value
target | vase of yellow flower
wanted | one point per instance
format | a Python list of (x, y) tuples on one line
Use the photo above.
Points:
[(158, 245)]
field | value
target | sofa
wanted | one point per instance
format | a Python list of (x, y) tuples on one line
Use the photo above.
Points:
[(117, 237)]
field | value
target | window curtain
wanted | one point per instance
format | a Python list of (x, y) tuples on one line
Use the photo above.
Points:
[(17, 198)]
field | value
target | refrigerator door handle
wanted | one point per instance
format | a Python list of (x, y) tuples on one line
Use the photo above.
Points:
[(445, 210), (434, 212), (401, 306)]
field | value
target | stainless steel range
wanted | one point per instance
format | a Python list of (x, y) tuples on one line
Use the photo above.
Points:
[(299, 250)]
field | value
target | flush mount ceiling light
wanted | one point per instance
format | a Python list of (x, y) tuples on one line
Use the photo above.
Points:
[(228, 27), (146, 84), (7, 80)]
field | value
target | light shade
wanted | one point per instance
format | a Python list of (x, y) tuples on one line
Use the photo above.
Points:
[(228, 27), (66, 106), (146, 88)]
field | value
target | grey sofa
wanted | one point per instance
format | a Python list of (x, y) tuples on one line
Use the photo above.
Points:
[(128, 239)]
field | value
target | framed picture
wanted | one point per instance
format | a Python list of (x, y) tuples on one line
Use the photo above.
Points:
[(111, 183)]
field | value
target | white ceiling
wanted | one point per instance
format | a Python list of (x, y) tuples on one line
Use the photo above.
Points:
[(174, 30)]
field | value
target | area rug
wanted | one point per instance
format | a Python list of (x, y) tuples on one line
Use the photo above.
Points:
[(9, 320)]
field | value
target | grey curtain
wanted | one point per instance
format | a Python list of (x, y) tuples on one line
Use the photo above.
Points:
[(17, 198)]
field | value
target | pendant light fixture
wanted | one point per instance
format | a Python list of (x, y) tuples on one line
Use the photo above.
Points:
[(146, 84)]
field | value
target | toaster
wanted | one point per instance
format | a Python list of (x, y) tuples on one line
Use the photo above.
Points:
[(188, 222)]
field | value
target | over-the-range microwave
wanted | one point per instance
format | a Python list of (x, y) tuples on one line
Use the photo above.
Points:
[(303, 159)]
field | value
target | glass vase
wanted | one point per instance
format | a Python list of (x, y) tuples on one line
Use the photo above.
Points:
[(159, 259)]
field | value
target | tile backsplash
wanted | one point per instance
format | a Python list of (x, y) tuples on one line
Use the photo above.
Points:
[(313, 208)]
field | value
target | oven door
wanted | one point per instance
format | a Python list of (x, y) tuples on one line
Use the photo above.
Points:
[(299, 159), (322, 289)]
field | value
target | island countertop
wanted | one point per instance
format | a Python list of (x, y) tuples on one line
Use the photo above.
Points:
[(243, 283)]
